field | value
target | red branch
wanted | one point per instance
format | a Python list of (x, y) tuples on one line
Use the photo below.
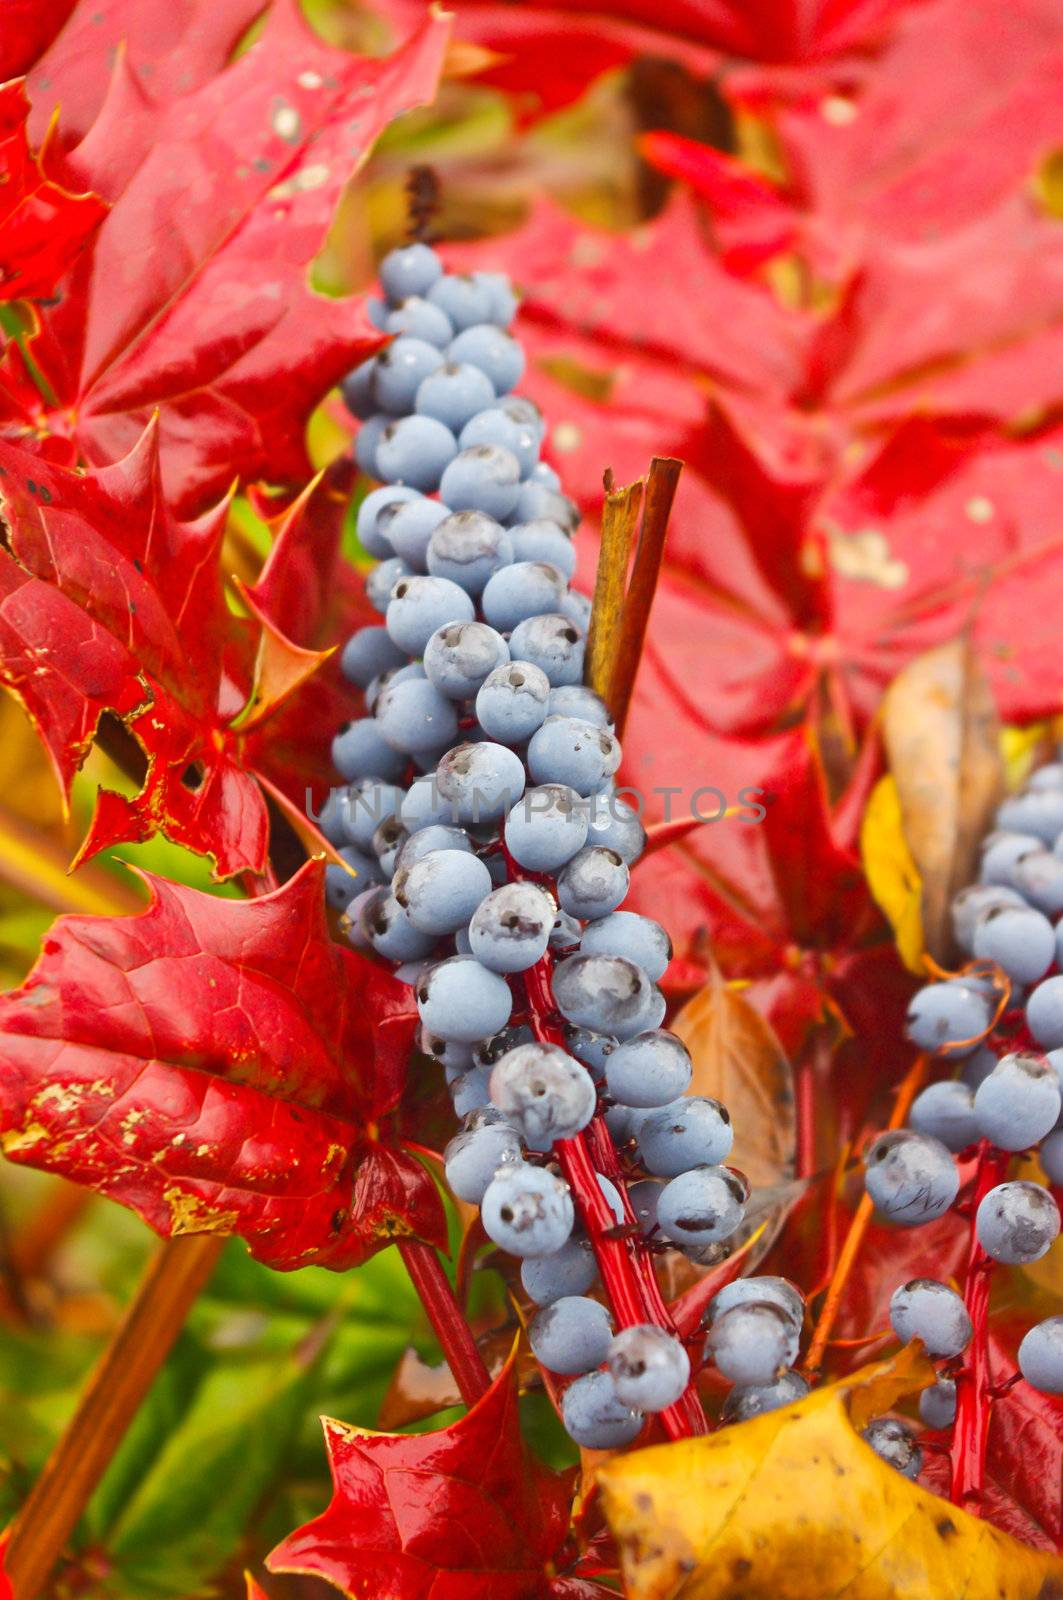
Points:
[(624, 1263), (453, 1332), (974, 1400)]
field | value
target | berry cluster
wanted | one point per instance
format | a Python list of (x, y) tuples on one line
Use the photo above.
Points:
[(1003, 1018), (493, 854)]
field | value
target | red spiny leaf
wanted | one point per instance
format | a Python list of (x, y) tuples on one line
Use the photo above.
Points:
[(220, 1066), (465, 1513), (217, 327), (42, 224)]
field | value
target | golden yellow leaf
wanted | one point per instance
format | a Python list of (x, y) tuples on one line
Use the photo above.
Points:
[(795, 1506), (892, 875), (942, 736), (739, 1061)]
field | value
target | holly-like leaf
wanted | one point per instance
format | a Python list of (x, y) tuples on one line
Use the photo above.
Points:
[(220, 1066), (465, 1513), (222, 195), (42, 225), (795, 1503), (112, 607)]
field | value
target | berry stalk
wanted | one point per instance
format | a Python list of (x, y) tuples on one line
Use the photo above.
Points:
[(441, 1307), (974, 1400)]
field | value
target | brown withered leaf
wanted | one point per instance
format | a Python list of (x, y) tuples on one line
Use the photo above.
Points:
[(739, 1061), (794, 1505), (942, 737)]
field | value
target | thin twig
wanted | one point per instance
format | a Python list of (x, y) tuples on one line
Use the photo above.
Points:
[(125, 1372), (619, 520), (661, 485), (854, 1239)]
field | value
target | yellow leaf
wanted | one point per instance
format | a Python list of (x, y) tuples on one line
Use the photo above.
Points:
[(892, 875), (940, 728), (795, 1506)]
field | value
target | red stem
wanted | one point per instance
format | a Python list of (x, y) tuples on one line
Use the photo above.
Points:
[(974, 1399), (624, 1264), (444, 1313)]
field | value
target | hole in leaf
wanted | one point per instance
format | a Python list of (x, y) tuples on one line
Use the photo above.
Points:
[(193, 775)]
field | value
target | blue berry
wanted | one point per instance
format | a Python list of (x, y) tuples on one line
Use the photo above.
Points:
[(523, 589), (937, 1405), (408, 526), (493, 351), (495, 426), (1044, 1013), (360, 751), (931, 1311), (463, 299), (420, 319), (441, 891), (368, 803), (499, 291), (894, 1442), (1038, 876), (484, 477), (459, 999), (648, 1366), (481, 781), (453, 394), (383, 578), (527, 1211), (459, 656), (367, 441), (1019, 1102), (510, 929), (571, 1335), (414, 451), (410, 269), (545, 475), (511, 702), (370, 536), (747, 1401), (595, 1417), (413, 716), (911, 1178), (390, 931), (694, 1131), (617, 826), (1051, 1157), (945, 1111), (1019, 939), (553, 643), (1000, 852), (702, 1206), (469, 1091), (606, 993), (743, 1291), (340, 887), (576, 700), (367, 654), (754, 1342), (1041, 1356), (420, 605), (400, 371), (469, 548), (537, 500), (1037, 811), (472, 1158), (568, 751), (544, 1092), (626, 933), (1017, 1222), (571, 1270), (593, 883), (948, 1016), (972, 904), (357, 388), (654, 1069), (424, 807)]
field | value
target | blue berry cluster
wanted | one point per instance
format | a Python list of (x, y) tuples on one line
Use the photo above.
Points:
[(480, 815), (1008, 1090)]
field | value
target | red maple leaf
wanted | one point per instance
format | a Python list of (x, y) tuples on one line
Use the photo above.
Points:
[(111, 606), (465, 1513), (221, 196), (42, 225), (220, 1066)]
